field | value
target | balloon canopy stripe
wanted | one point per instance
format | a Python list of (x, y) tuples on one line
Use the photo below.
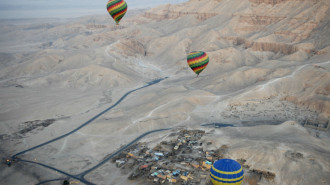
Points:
[(197, 57), (195, 54), (113, 3), (228, 180), (120, 14), (228, 177), (217, 181), (227, 172), (199, 68), (197, 61), (118, 8)]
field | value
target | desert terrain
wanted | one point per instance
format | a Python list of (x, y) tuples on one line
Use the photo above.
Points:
[(268, 77)]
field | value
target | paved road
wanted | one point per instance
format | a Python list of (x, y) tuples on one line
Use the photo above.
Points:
[(89, 121)]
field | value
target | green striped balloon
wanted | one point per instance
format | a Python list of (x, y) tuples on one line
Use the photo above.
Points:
[(117, 9), (197, 61)]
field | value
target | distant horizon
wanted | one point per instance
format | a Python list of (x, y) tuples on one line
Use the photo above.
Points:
[(12, 9)]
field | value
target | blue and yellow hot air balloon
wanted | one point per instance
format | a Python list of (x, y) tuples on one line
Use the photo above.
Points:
[(197, 61), (227, 172), (117, 9)]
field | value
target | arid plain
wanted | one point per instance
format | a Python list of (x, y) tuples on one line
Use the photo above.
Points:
[(268, 76)]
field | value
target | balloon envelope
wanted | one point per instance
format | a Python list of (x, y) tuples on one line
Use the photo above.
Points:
[(227, 172), (197, 61), (117, 9)]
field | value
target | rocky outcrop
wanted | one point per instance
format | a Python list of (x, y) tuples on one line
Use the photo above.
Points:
[(130, 47), (315, 104), (265, 46), (177, 14), (265, 174), (273, 47), (259, 19), (303, 27), (274, 2), (95, 26)]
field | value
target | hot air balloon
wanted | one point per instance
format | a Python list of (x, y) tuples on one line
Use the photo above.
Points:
[(197, 61), (117, 9), (227, 172)]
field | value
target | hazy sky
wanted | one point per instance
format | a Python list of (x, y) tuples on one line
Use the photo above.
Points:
[(65, 8)]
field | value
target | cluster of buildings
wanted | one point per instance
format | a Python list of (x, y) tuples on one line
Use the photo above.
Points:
[(181, 160)]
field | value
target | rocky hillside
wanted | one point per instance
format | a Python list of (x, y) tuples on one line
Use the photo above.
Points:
[(259, 50), (284, 27), (250, 43)]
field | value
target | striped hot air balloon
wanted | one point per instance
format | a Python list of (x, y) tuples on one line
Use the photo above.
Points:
[(197, 61), (117, 9), (227, 172)]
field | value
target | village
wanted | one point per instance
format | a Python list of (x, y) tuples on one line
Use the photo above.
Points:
[(181, 160)]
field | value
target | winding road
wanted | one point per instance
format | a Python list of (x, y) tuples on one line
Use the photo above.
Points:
[(89, 121), (81, 176)]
